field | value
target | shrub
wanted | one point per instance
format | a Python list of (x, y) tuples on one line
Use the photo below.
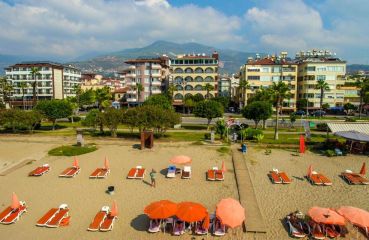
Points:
[(350, 119), (207, 136), (75, 119), (259, 137), (251, 133), (330, 153), (322, 127)]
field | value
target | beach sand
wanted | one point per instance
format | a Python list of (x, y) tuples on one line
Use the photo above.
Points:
[(276, 201), (85, 196)]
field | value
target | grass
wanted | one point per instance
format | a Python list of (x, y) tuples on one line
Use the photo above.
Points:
[(72, 150), (194, 126), (183, 136), (224, 150)]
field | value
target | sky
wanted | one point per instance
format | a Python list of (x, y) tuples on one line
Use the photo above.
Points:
[(68, 29)]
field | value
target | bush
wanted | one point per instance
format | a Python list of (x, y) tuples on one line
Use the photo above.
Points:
[(75, 119), (259, 137), (330, 153), (251, 133), (322, 127), (350, 119), (207, 136)]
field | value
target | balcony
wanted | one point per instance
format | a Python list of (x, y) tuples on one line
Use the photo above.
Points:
[(131, 91), (156, 83), (131, 83), (156, 74), (132, 67), (131, 75), (131, 99), (156, 91), (156, 66)]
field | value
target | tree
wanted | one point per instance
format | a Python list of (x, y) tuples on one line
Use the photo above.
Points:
[(54, 109), (325, 106), (103, 97), (220, 128), (293, 118), (189, 103), (23, 86), (10, 119), (77, 90), (280, 91), (35, 72), (223, 100), (244, 85), (263, 94), (159, 100), (323, 86), (111, 118), (93, 119), (257, 111), (87, 98), (139, 89), (362, 83), (208, 87), (30, 119), (301, 104), (170, 91), (349, 108), (208, 109), (6, 89)]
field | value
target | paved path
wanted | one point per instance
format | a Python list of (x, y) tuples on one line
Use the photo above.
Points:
[(254, 220)]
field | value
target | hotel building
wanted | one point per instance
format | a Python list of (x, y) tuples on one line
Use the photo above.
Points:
[(321, 65), (191, 73), (55, 81), (262, 72)]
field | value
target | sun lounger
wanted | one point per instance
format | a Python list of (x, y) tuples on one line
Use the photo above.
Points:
[(316, 231), (108, 223), (199, 230), (98, 219), (95, 173), (15, 214), (354, 178), (58, 217), (100, 173), (210, 175), (314, 179), (330, 231), (186, 173), (171, 173), (285, 178), (132, 173), (140, 172), (39, 171), (70, 172), (297, 225), (274, 176), (47, 217), (154, 226), (4, 214), (324, 180), (179, 228), (218, 228)]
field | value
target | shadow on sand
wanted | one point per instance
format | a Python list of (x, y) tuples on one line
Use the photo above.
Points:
[(140, 223), (136, 146)]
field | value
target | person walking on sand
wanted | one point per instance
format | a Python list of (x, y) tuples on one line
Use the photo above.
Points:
[(153, 177)]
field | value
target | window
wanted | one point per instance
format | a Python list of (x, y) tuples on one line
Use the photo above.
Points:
[(209, 70), (199, 70), (179, 88), (188, 88), (276, 78), (147, 80), (276, 69), (178, 96), (265, 69), (208, 79), (147, 89), (138, 72), (178, 80), (330, 77), (265, 78), (321, 69), (253, 77), (310, 69), (335, 68), (198, 88), (320, 77), (178, 70), (251, 69), (188, 70), (189, 79), (198, 79)]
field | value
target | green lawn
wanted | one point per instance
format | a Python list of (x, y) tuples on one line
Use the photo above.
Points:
[(72, 150)]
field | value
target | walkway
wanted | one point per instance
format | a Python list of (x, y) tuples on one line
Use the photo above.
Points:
[(254, 220)]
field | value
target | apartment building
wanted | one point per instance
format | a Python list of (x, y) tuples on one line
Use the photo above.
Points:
[(191, 73), (55, 81), (263, 72), (96, 81), (224, 86), (149, 73), (321, 65)]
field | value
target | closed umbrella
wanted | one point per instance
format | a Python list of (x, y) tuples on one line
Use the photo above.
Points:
[(161, 209), (191, 212), (326, 216), (224, 169), (230, 212), (114, 209), (180, 159), (75, 162), (106, 163), (15, 202), (310, 170), (356, 216), (363, 169), (302, 144)]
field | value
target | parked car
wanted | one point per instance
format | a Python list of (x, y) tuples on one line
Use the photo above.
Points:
[(318, 113), (300, 113)]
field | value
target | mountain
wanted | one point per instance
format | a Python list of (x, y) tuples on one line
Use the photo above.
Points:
[(114, 61), (352, 68)]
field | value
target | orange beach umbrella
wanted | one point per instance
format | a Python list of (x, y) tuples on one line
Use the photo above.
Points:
[(326, 216), (363, 169), (161, 209), (224, 169), (230, 212), (75, 162), (180, 159), (206, 223), (191, 212), (310, 170), (114, 209), (15, 202), (106, 163), (356, 216)]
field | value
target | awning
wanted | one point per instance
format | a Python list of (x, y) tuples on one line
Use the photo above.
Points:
[(344, 127), (353, 135)]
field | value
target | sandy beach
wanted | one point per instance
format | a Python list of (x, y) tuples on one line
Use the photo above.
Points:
[(85, 196)]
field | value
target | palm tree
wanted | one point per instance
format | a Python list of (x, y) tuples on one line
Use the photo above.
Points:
[(362, 83), (23, 86), (139, 89), (170, 91), (280, 91), (208, 87), (244, 85), (103, 97), (6, 89), (323, 86), (35, 72)]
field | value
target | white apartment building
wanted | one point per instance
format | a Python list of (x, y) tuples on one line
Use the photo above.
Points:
[(55, 81)]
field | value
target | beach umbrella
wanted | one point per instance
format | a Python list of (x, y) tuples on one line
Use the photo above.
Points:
[(75, 162), (230, 212), (223, 167), (114, 209), (206, 223), (106, 163), (326, 216), (302, 144), (363, 169), (355, 215), (191, 212), (15, 202), (161, 209), (180, 159), (310, 170)]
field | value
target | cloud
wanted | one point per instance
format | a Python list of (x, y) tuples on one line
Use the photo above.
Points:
[(74, 27)]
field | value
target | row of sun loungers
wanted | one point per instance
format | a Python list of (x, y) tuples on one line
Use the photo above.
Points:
[(103, 221), (215, 174)]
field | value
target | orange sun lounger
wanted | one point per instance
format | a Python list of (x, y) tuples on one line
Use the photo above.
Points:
[(285, 178), (39, 171), (211, 175), (326, 181), (58, 217), (44, 219), (15, 214), (7, 211), (98, 219), (136, 173), (319, 179), (100, 173), (354, 178), (108, 223), (278, 177), (70, 172)]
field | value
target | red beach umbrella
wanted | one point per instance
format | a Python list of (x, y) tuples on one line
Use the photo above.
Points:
[(15, 202), (180, 159), (161, 209), (191, 212), (106, 163), (326, 216), (302, 144), (75, 162), (230, 212), (356, 216), (363, 169), (114, 209)]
